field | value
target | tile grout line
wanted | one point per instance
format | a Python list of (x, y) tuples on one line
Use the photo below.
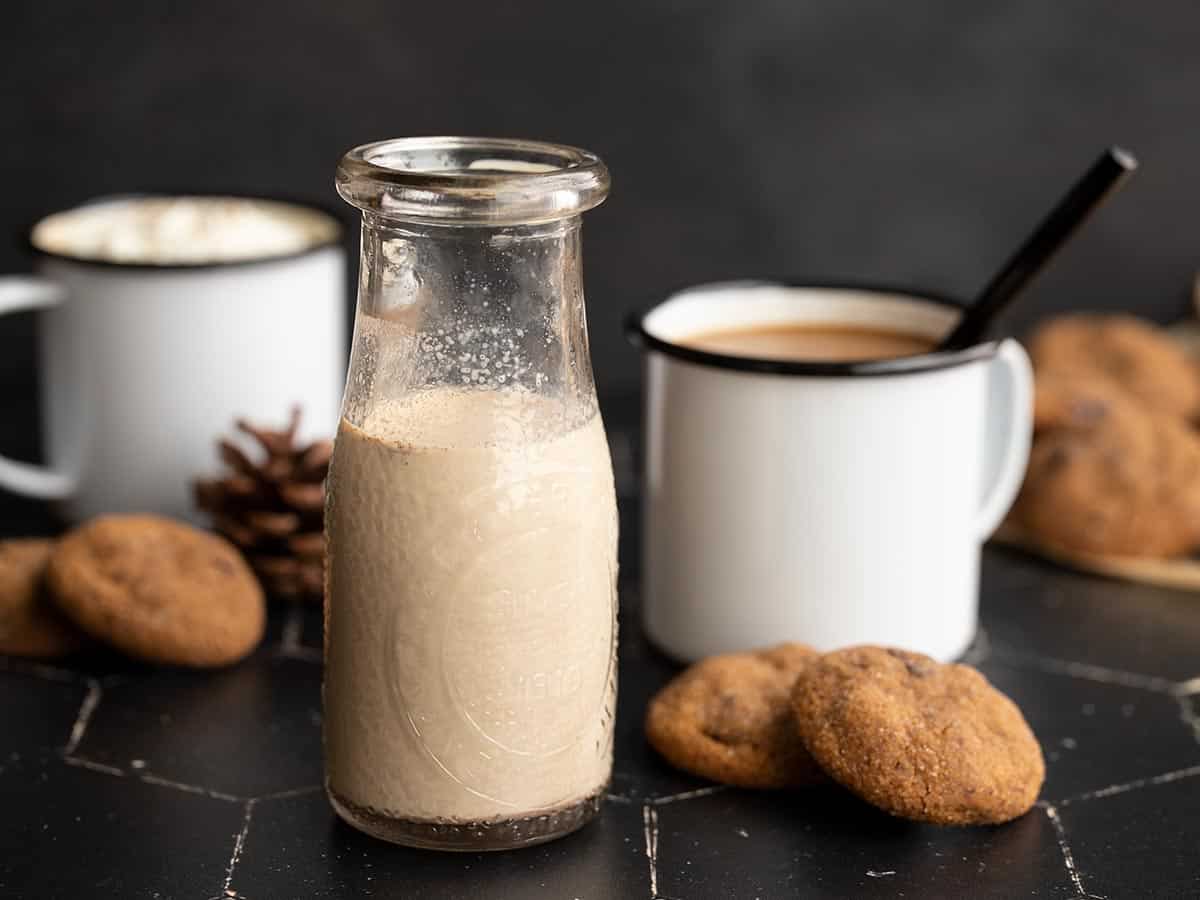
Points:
[(158, 781), (1188, 714), (1115, 789), (1186, 688), (303, 654), (1065, 848), (90, 701), (39, 670), (687, 795), (650, 834), (81, 763), (293, 628), (1086, 671), (620, 798), (293, 792), (238, 845)]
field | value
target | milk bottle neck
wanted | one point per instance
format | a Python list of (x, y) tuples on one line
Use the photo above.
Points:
[(477, 269), (483, 307)]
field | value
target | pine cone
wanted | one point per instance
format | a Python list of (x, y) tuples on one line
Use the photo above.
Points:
[(274, 509)]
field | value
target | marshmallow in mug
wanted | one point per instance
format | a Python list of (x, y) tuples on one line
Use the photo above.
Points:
[(164, 319), (182, 230)]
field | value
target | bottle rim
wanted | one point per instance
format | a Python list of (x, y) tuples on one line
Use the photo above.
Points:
[(472, 180)]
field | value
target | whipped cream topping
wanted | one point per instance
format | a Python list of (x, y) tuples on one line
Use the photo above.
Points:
[(183, 230)]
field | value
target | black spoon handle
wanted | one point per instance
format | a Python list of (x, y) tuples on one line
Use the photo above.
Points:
[(1105, 174)]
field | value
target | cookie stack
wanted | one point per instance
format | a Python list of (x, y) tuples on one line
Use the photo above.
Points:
[(156, 589), (1115, 466), (918, 739)]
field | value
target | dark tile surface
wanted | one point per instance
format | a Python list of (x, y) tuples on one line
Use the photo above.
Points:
[(250, 730), (1127, 839), (1035, 608), (296, 847), (37, 713), (304, 626), (638, 772), (173, 783), (824, 844), (1095, 734), (67, 833)]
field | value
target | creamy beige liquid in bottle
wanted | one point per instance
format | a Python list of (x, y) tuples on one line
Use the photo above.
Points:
[(471, 519), (470, 641)]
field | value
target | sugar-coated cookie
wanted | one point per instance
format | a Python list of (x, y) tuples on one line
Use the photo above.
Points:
[(916, 738), (727, 718), (159, 590), (1127, 486), (1134, 353), (29, 623)]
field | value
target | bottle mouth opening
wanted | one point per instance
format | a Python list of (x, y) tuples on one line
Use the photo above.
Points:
[(472, 181)]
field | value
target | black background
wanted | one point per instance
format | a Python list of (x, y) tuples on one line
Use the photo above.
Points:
[(911, 142), (907, 142)]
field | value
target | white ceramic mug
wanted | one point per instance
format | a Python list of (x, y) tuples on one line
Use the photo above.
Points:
[(144, 366), (833, 504)]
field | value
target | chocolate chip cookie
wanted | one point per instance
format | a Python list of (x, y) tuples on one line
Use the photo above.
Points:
[(1075, 399), (727, 718), (159, 590), (1131, 352), (918, 739), (29, 623), (1128, 486)]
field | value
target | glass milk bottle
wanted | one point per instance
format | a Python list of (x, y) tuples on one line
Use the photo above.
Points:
[(470, 616)]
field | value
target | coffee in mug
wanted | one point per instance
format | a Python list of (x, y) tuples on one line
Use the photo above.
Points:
[(815, 343)]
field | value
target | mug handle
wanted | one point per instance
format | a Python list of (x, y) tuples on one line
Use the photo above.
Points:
[(1009, 433), (17, 294)]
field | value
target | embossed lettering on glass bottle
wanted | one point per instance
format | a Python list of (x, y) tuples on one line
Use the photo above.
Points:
[(470, 680)]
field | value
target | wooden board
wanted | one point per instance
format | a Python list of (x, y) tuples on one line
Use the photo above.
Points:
[(1181, 573)]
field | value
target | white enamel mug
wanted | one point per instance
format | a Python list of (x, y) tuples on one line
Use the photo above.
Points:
[(144, 366), (828, 503)]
